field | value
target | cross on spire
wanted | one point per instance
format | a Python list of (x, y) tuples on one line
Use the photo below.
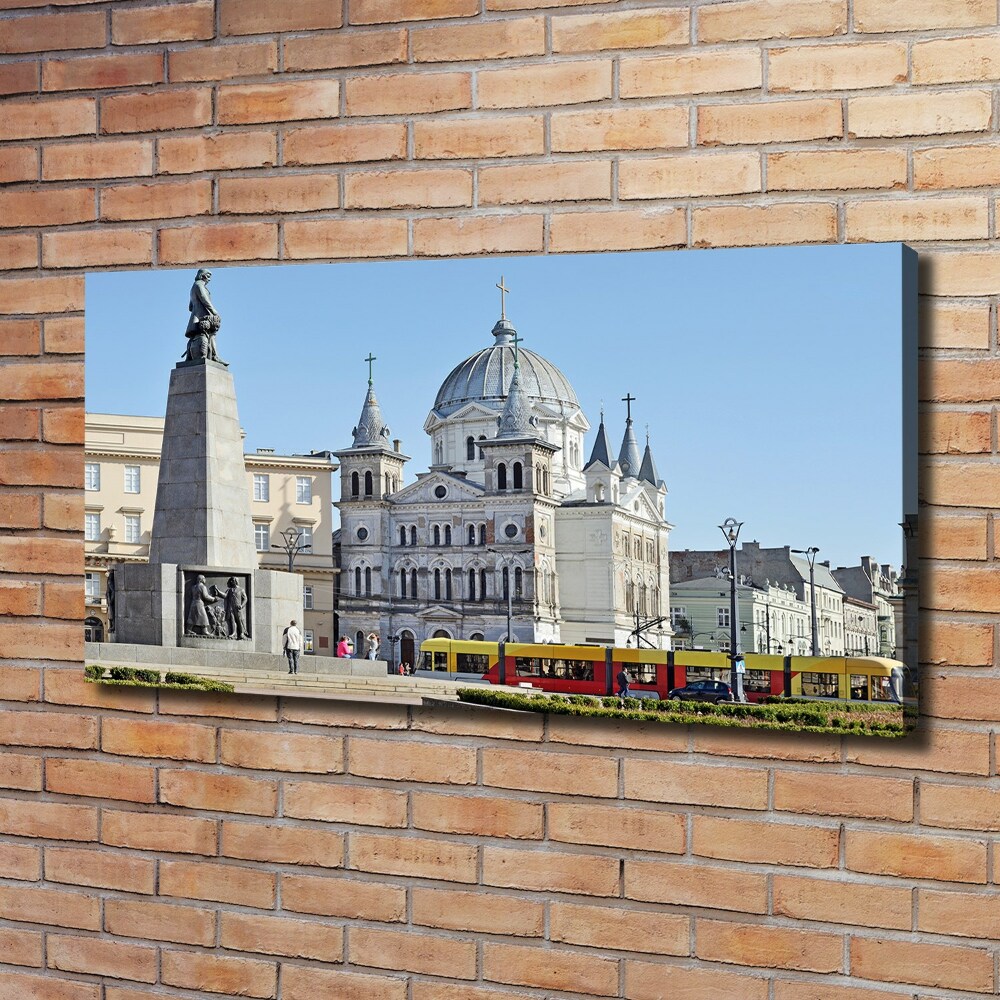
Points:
[(515, 340), (371, 357), (503, 305), (647, 434), (628, 399)]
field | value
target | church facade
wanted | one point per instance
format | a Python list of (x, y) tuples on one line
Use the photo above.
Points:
[(512, 530)]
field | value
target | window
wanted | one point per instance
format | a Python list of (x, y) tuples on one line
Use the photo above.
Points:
[(368, 581), (402, 583), (437, 585), (447, 534), (678, 615), (402, 536), (262, 487), (472, 663), (518, 583), (482, 437), (506, 582), (437, 534), (482, 534), (303, 489), (357, 583), (482, 585), (131, 478), (368, 484), (262, 537), (722, 617), (501, 476), (470, 448), (306, 537), (563, 669), (447, 584), (757, 681), (307, 598), (92, 587), (472, 534), (820, 685), (413, 538), (642, 673), (518, 476), (133, 529), (92, 476), (91, 527), (472, 584), (307, 640), (355, 484), (388, 483), (413, 583)]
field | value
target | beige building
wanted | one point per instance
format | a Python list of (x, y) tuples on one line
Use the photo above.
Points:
[(289, 493)]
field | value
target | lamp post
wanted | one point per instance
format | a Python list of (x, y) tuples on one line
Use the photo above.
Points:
[(810, 555), (730, 528), (393, 639), (292, 545)]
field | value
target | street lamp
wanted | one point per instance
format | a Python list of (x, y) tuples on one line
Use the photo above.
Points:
[(393, 639), (292, 545), (810, 555), (730, 528)]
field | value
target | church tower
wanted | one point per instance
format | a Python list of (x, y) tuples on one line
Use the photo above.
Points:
[(602, 470)]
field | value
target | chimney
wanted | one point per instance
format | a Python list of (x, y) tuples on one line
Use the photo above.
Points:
[(396, 444)]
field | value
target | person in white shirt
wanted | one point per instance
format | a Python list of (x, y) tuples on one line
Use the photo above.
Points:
[(292, 644)]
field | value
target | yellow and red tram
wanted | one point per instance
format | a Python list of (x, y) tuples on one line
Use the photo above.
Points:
[(592, 669)]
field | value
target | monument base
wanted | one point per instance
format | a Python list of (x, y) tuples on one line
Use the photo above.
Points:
[(150, 607)]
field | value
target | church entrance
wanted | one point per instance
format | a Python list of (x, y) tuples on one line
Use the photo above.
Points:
[(93, 630), (406, 650)]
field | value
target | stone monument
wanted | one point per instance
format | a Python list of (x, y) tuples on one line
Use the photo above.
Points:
[(201, 588)]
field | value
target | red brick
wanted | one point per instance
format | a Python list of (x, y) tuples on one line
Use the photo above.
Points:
[(416, 857), (19, 947), (620, 128), (101, 779), (693, 784), (478, 912), (839, 902), (50, 466), (919, 114), (97, 248), (19, 423), (765, 226), (836, 67), (20, 771), (550, 871), (960, 537), (228, 62), (20, 510), (355, 237), (18, 251), (174, 740), (68, 687), (550, 968), (758, 19), (916, 15), (620, 929), (102, 869), (226, 151), (274, 102), (219, 242), (540, 86), (381, 11), (696, 885), (644, 981), (64, 335), (768, 947), (220, 883), (820, 793), (218, 792), (113, 959), (412, 761), (156, 201), (41, 295), (410, 952), (408, 93), (46, 208), (38, 906), (159, 832), (103, 72), (282, 844), (922, 963), (256, 708), (176, 22), (344, 144), (19, 78), (254, 17), (938, 750), (215, 974), (964, 644), (20, 336), (767, 843), (335, 803), (300, 982), (617, 230), (712, 72), (160, 922), (18, 163), (961, 807), (282, 936), (966, 914), (63, 600), (468, 139), (282, 751), (770, 121), (408, 189), (29, 987), (628, 30), (480, 41), (159, 111), (949, 859), (836, 170), (470, 235), (486, 817), (63, 425), (49, 32), (40, 641), (269, 195), (48, 729), (40, 119), (685, 176), (349, 898), (373, 48), (541, 771)]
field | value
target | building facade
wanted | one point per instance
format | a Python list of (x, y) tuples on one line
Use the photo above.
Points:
[(290, 501)]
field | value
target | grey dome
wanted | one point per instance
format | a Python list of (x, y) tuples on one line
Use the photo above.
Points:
[(485, 377)]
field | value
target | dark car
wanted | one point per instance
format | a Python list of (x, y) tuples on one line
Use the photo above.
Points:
[(711, 691)]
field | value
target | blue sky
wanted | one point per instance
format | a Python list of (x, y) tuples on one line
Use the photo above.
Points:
[(769, 378)]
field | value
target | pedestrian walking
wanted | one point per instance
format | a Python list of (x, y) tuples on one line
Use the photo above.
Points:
[(623, 683), (292, 644), (372, 653)]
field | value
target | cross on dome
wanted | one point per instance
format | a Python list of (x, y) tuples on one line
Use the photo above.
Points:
[(371, 357), (503, 305), (628, 399)]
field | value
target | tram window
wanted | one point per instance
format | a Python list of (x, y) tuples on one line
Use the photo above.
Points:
[(816, 685), (642, 673), (473, 663), (881, 689), (435, 661), (693, 674), (758, 681), (559, 669), (859, 687)]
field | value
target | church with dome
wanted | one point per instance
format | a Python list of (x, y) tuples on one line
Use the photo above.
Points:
[(513, 518)]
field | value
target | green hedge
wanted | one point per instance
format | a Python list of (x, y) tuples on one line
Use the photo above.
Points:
[(118, 676), (802, 716)]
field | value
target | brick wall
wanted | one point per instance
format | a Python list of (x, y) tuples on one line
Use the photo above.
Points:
[(183, 847)]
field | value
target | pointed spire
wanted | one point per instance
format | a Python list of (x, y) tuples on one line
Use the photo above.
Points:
[(601, 451), (371, 429), (516, 420), (647, 472), (628, 456)]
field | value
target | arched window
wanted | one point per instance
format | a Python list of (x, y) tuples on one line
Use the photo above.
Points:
[(506, 582), (402, 535), (447, 584), (470, 448), (518, 476), (482, 437), (437, 534), (472, 584), (402, 583), (357, 581), (482, 585), (538, 478), (368, 581), (413, 535), (476, 637), (447, 534), (518, 583), (545, 481), (482, 534), (472, 534), (437, 585), (501, 476), (368, 484), (359, 644), (388, 483), (355, 484), (599, 493), (629, 596), (413, 583)]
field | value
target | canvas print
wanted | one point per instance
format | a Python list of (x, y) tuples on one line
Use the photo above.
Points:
[(670, 487)]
